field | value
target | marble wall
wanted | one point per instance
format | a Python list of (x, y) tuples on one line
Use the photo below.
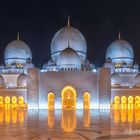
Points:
[(104, 87), (33, 88), (82, 81)]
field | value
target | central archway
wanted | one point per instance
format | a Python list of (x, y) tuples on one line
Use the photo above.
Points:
[(68, 96)]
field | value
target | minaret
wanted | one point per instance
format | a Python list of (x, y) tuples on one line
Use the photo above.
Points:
[(17, 35), (68, 24), (119, 35)]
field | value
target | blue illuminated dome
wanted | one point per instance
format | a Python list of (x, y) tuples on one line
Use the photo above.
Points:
[(71, 35), (120, 51), (17, 51), (69, 59)]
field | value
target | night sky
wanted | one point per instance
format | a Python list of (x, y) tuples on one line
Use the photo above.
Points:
[(99, 21)]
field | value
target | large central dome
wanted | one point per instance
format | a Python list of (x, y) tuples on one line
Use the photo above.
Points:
[(69, 35), (17, 50)]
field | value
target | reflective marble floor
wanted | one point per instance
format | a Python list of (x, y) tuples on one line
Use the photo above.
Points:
[(69, 125)]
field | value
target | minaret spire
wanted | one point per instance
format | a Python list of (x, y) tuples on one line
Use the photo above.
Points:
[(119, 35), (17, 35), (68, 21)]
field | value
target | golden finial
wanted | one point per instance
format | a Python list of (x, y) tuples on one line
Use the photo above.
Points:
[(119, 35), (17, 35), (68, 21)]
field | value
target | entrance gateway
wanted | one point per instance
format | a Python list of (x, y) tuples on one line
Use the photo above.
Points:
[(68, 99)]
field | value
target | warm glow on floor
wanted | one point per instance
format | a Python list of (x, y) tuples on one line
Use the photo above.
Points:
[(86, 119), (68, 121), (12, 116), (51, 118), (126, 115)]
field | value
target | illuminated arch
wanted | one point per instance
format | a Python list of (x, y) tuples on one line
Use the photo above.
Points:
[(1, 101), (14, 102), (21, 102), (116, 103), (137, 100), (68, 96), (51, 97), (130, 100), (86, 100), (7, 101), (116, 99), (123, 102)]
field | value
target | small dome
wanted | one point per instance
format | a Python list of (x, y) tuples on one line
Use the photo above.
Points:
[(115, 79), (120, 50), (17, 50), (136, 66), (68, 57), (45, 66), (108, 60), (124, 65), (1, 81), (22, 80), (1, 66), (51, 63), (71, 35)]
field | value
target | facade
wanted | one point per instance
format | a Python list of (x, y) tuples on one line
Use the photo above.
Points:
[(69, 80)]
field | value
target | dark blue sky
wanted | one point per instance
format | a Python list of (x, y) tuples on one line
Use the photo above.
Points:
[(99, 21)]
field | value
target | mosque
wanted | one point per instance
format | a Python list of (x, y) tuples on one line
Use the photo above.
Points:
[(69, 80)]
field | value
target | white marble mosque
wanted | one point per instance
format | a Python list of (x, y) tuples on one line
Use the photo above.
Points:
[(69, 80)]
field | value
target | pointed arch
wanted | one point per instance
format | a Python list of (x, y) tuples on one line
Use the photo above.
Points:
[(123, 102), (68, 95), (86, 100), (7, 100), (1, 102), (116, 99), (51, 98), (130, 102), (21, 102), (14, 100)]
